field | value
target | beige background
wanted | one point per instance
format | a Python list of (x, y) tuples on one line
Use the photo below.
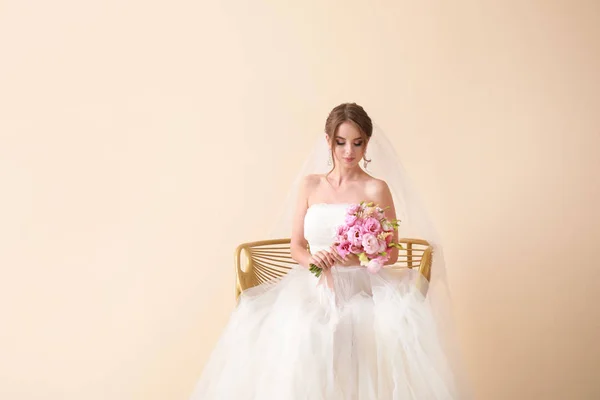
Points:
[(140, 142)]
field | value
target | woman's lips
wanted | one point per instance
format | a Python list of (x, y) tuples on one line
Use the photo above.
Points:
[(348, 159)]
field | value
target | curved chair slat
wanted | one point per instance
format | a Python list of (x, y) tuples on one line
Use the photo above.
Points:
[(269, 260)]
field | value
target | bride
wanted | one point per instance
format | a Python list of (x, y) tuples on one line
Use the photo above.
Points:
[(350, 334)]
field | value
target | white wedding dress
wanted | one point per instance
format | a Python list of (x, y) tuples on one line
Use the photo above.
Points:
[(371, 338)]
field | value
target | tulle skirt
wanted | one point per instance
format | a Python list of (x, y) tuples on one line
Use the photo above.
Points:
[(371, 337)]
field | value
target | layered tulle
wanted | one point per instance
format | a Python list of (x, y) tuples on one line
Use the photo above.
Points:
[(371, 337), (365, 337)]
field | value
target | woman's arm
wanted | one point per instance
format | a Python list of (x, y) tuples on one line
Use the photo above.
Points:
[(298, 244), (383, 197)]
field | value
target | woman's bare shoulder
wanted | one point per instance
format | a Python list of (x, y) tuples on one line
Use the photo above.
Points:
[(374, 182), (312, 179), (376, 188)]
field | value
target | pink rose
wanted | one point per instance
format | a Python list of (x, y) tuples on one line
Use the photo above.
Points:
[(354, 249), (372, 225), (370, 243), (343, 248), (374, 265), (354, 235), (350, 220), (342, 230), (353, 209), (382, 245), (359, 224)]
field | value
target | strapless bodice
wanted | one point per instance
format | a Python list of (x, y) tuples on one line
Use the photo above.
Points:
[(321, 222)]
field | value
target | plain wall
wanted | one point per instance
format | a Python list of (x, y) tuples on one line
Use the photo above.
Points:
[(140, 142)]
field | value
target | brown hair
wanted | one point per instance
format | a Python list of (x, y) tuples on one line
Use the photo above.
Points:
[(349, 112)]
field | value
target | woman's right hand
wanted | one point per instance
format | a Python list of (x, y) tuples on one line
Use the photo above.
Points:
[(322, 259)]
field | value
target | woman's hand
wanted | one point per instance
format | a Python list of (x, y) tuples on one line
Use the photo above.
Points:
[(322, 259), (350, 260)]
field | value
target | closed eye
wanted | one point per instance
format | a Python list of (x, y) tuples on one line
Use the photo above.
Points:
[(355, 144)]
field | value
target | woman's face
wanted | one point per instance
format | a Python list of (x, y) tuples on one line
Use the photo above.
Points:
[(348, 145)]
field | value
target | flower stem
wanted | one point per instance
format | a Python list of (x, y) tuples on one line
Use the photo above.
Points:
[(315, 270)]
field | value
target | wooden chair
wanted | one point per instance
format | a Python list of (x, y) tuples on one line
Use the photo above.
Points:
[(269, 260)]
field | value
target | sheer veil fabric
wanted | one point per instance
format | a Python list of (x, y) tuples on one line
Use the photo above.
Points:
[(415, 223)]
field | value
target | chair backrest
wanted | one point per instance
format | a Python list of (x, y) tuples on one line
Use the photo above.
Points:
[(269, 260)]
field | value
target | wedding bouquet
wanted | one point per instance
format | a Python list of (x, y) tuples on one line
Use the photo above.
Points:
[(367, 233)]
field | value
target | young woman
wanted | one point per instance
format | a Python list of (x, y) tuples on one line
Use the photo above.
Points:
[(350, 334)]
